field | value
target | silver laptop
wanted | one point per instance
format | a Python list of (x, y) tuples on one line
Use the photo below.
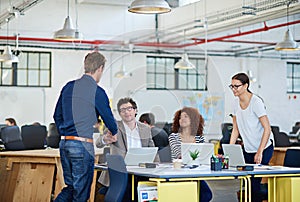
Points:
[(135, 156), (235, 154), (206, 150)]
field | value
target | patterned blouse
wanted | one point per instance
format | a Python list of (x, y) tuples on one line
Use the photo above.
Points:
[(175, 144)]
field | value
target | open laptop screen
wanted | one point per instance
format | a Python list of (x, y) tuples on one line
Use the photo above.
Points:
[(235, 154), (206, 150), (135, 156)]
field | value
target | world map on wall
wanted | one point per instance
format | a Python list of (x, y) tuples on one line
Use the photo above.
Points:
[(211, 106)]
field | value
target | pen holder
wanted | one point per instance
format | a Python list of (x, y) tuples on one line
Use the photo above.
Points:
[(216, 163), (216, 166)]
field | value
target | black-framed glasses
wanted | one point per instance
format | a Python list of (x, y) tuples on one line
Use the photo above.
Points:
[(235, 86), (129, 109)]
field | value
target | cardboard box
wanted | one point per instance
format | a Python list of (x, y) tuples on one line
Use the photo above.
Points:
[(147, 192)]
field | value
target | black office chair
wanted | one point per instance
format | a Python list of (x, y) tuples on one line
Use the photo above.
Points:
[(226, 129), (34, 136), (53, 137), (226, 132), (281, 139), (165, 155), (11, 138), (295, 129), (118, 178), (291, 158)]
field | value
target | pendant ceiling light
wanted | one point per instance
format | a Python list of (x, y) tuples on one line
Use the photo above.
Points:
[(149, 7), (7, 55), (288, 43), (123, 73), (68, 32), (184, 62)]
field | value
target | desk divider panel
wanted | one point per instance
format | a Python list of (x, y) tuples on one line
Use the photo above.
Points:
[(177, 191), (287, 189)]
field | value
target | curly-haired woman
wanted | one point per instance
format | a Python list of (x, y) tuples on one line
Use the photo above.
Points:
[(188, 128)]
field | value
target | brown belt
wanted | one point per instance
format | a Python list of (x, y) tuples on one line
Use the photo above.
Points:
[(82, 139)]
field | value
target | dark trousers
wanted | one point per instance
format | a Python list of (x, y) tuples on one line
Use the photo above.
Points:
[(255, 181), (128, 193), (205, 192)]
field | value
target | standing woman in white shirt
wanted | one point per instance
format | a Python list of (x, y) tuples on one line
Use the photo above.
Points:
[(250, 120)]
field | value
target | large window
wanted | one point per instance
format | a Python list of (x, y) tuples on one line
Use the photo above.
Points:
[(293, 77), (162, 75), (32, 70)]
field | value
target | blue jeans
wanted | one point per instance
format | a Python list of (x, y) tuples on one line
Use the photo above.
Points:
[(77, 159), (255, 181)]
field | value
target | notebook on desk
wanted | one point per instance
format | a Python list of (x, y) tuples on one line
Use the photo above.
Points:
[(135, 156), (206, 150)]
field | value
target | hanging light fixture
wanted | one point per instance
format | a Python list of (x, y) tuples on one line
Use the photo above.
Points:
[(7, 55), (184, 62), (288, 43), (149, 7), (68, 32), (122, 73)]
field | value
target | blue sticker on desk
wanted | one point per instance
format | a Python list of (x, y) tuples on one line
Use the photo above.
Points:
[(145, 195)]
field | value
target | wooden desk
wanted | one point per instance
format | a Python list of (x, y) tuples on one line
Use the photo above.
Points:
[(183, 184), (31, 175), (283, 183), (279, 154), (168, 181)]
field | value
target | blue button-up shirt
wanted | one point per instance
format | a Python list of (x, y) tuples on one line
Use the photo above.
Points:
[(79, 105)]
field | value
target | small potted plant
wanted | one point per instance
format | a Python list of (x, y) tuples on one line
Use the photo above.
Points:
[(194, 155)]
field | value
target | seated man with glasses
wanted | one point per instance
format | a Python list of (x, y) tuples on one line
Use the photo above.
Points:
[(131, 134)]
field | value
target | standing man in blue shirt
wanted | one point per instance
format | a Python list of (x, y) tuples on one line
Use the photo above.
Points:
[(79, 105)]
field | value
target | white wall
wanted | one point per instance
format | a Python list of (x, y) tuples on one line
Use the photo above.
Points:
[(270, 85), (37, 104)]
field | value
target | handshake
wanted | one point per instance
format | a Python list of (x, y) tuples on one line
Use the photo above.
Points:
[(108, 137)]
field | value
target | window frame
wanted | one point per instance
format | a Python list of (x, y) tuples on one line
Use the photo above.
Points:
[(185, 75), (292, 78), (25, 69)]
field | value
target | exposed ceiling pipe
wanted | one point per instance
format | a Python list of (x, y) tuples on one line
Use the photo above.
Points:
[(265, 28), (248, 42), (20, 8), (151, 44)]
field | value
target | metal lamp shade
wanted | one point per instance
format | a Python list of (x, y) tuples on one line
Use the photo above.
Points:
[(184, 63), (67, 32), (288, 44), (7, 56), (122, 73), (149, 6)]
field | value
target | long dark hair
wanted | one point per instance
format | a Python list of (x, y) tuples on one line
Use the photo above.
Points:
[(243, 78)]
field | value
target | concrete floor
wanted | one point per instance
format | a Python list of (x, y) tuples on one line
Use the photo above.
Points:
[(224, 190)]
